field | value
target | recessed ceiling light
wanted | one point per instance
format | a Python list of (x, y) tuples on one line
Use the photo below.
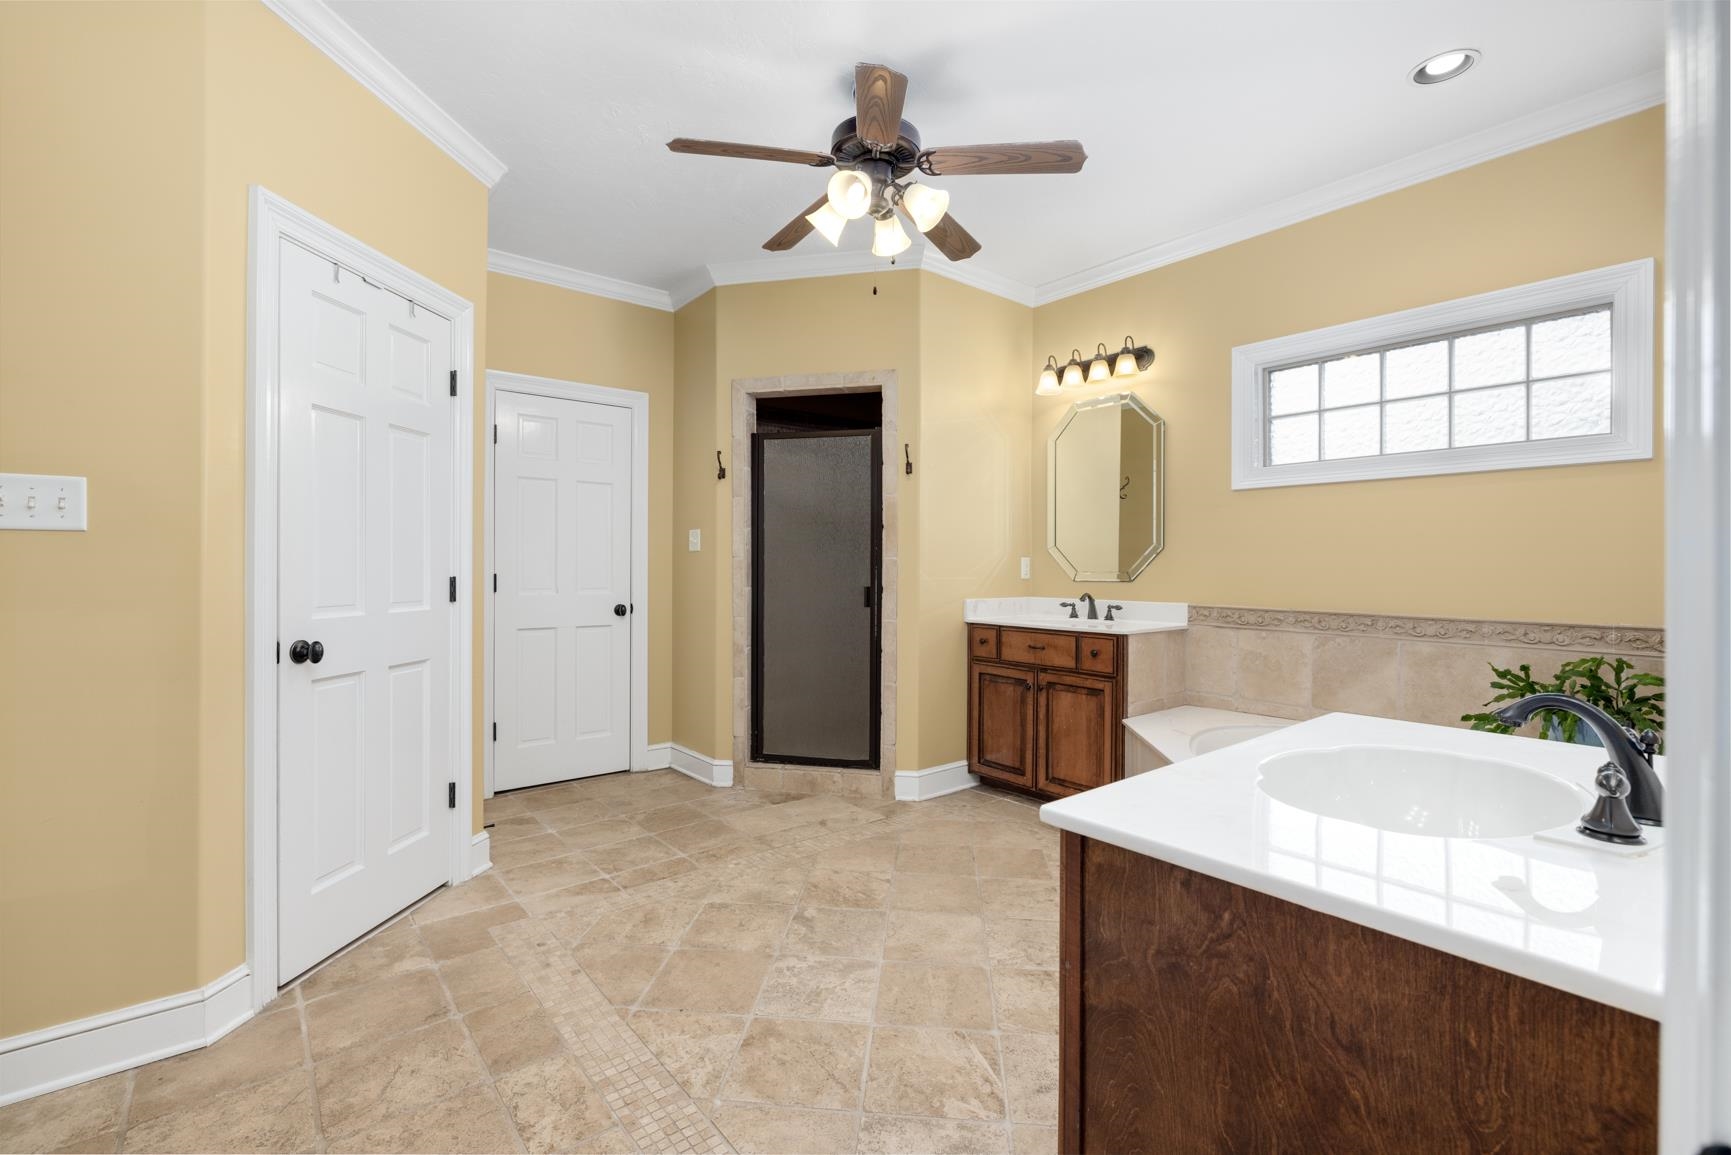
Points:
[(1444, 66)]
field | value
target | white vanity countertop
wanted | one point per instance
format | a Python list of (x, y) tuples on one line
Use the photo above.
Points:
[(1554, 909), (1047, 614)]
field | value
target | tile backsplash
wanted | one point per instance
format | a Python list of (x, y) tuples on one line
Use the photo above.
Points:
[(1294, 664)]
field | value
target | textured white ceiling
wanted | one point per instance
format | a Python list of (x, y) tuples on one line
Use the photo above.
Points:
[(1193, 112)]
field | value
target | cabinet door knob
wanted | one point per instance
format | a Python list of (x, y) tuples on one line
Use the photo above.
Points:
[(1093, 653)]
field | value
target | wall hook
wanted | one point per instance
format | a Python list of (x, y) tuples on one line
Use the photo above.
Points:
[(907, 462), (720, 469)]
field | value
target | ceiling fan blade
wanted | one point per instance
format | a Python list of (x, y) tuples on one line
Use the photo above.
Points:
[(878, 94), (749, 151), (796, 230), (950, 238), (983, 159)]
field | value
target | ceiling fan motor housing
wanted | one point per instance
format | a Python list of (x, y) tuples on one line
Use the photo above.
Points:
[(850, 151)]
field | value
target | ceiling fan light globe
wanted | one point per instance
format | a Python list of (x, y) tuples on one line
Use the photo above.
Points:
[(925, 205), (889, 238), (828, 222), (850, 194)]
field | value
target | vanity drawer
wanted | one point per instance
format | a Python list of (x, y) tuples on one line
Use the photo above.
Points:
[(1038, 648), (983, 642), (1097, 654)]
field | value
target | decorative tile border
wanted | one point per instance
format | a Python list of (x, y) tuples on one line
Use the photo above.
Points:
[(1612, 639)]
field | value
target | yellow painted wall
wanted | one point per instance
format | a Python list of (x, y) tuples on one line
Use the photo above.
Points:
[(548, 331), (129, 135), (101, 236), (1470, 545), (976, 409), (697, 497)]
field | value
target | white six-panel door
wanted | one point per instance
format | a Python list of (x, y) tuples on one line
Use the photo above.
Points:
[(562, 497), (364, 559)]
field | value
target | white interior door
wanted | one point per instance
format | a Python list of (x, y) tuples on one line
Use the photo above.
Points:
[(367, 502), (562, 668)]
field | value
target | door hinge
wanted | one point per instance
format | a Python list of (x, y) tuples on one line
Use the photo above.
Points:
[(453, 589), (450, 795), (495, 731), (495, 434), (495, 583), (279, 652), (453, 382)]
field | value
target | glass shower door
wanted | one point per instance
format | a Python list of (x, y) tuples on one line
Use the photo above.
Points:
[(816, 500)]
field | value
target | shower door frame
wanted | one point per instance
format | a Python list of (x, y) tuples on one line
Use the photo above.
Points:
[(875, 677)]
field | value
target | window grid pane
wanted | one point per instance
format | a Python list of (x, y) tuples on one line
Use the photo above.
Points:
[(1533, 380)]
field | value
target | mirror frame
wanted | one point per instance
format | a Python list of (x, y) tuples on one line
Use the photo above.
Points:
[(1120, 401)]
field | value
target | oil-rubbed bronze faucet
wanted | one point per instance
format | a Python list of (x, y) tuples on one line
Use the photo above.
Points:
[(1093, 609), (1629, 790)]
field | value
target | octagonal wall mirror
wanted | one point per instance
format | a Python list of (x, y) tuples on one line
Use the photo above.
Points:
[(1105, 489)]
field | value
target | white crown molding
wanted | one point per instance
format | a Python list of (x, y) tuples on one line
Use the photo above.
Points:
[(76, 1052), (330, 34), (548, 273), (1535, 128), (801, 266)]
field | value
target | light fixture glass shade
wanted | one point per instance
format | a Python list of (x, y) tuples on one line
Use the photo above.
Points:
[(850, 193), (1124, 365), (828, 222), (1048, 386), (1073, 371), (926, 206), (889, 238), (1100, 367)]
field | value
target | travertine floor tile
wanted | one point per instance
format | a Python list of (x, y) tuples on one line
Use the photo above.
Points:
[(826, 931), (654, 872), (547, 874), (618, 857), (522, 851), (940, 859), (366, 1082), (508, 828), (799, 1063), (1031, 1077), (599, 832), (667, 817), (481, 979), (738, 926), (61, 1118), (651, 924), (829, 886), (1027, 1000), (1021, 898), (267, 1045), (897, 1135), (395, 949), (472, 1120), (275, 1115), (1017, 942), (1029, 1140), (553, 1105), (623, 971), (512, 1034), (935, 995), (376, 1010), (922, 1071), (695, 1048), (759, 1130), (839, 989), (722, 981), (467, 933), (935, 936), (1012, 862), (951, 894), (475, 894)]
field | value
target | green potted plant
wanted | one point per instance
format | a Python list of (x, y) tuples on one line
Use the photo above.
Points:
[(1624, 695)]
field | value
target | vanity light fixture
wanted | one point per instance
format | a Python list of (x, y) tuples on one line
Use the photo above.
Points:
[(1048, 386), (1102, 366), (1444, 66)]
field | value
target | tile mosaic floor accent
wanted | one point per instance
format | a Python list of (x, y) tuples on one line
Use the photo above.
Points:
[(653, 965)]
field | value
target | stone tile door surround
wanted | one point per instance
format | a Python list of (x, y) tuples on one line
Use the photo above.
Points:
[(828, 779)]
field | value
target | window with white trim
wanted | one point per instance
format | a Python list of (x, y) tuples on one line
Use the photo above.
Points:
[(1555, 373)]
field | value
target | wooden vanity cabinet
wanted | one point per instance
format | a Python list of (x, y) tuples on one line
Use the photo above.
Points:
[(1044, 708)]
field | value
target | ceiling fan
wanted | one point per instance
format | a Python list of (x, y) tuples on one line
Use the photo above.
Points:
[(874, 150)]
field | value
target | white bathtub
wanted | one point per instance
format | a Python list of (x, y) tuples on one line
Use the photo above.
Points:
[(1168, 736)]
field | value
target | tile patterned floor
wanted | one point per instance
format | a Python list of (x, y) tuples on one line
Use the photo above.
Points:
[(653, 965)]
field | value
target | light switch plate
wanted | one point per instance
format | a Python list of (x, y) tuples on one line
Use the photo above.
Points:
[(1027, 568), (694, 540), (40, 501)]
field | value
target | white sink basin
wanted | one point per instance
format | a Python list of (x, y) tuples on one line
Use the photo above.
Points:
[(1430, 792)]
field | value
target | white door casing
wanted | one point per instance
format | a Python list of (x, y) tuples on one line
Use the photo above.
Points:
[(364, 547), (563, 555), (271, 221)]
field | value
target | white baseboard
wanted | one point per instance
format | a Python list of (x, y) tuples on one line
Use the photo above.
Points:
[(659, 756), (933, 782), (480, 854), (707, 770), (61, 1056)]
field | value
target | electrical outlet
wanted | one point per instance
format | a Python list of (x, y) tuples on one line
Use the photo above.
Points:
[(1027, 568), (694, 540), (39, 501)]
